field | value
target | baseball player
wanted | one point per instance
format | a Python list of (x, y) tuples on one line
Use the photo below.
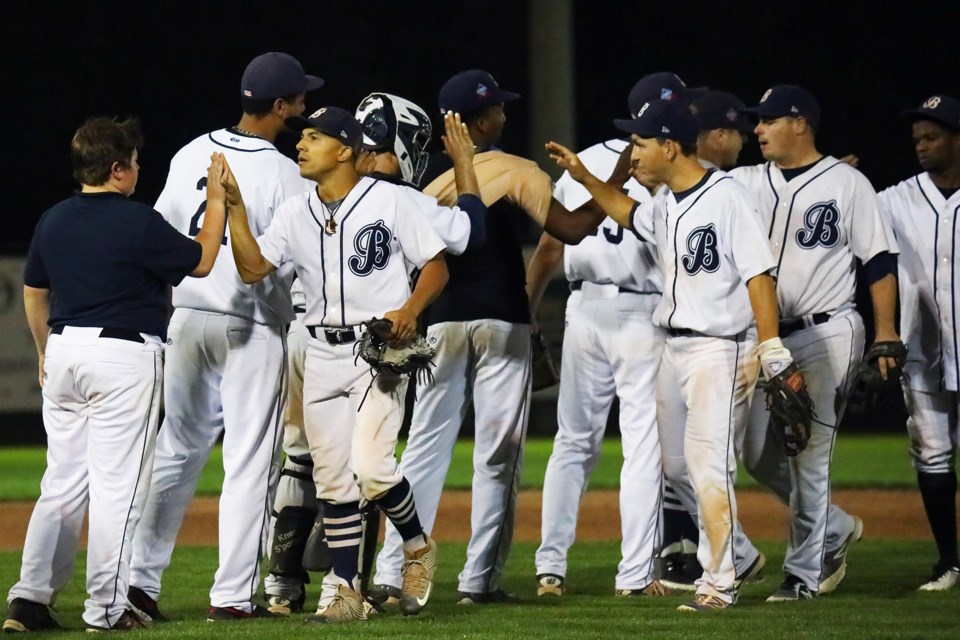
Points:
[(820, 214), (716, 270), (100, 370), (610, 347), (923, 212), (350, 241), (396, 133), (481, 326), (226, 364)]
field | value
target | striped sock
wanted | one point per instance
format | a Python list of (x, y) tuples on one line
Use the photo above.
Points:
[(398, 504), (341, 522)]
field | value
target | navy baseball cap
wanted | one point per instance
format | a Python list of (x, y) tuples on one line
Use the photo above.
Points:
[(940, 109), (720, 110), (669, 119), (662, 85), (276, 75), (333, 121), (470, 91), (787, 100)]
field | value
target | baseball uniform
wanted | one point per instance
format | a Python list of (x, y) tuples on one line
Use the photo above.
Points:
[(610, 347), (359, 272), (924, 221), (818, 220), (226, 372), (710, 245), (101, 395)]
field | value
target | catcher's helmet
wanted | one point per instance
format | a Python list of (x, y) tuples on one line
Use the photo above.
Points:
[(392, 123)]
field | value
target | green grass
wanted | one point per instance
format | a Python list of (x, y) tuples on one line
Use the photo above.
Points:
[(861, 461), (877, 601)]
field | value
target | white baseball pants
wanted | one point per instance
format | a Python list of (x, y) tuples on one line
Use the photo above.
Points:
[(610, 347), (101, 401)]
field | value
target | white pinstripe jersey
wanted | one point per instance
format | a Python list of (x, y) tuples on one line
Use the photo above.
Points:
[(359, 272), (817, 223), (925, 225), (612, 255), (710, 245), (266, 178)]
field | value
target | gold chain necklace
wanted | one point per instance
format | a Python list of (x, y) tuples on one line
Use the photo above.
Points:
[(248, 133)]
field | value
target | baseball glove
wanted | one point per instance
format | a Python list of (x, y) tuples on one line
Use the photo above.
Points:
[(867, 388), (791, 409), (414, 358), (544, 372)]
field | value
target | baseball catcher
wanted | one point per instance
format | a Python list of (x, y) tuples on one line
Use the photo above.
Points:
[(790, 406), (871, 380)]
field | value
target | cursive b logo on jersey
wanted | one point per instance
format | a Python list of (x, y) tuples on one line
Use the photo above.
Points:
[(372, 244), (821, 226), (702, 251)]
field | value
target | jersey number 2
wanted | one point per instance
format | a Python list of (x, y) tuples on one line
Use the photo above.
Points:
[(195, 220)]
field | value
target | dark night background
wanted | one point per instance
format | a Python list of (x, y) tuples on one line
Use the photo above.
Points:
[(177, 65)]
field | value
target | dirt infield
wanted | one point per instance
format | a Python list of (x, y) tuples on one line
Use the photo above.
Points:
[(886, 514)]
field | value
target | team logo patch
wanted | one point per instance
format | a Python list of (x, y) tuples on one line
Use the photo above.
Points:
[(703, 253), (482, 90), (931, 103), (731, 115), (318, 112), (821, 226), (666, 93), (372, 244)]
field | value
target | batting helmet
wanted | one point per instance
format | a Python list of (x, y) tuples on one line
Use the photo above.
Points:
[(392, 123)]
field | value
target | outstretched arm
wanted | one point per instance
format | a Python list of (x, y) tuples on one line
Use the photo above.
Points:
[(614, 202), (214, 220), (251, 265)]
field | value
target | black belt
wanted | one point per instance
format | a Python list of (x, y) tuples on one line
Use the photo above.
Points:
[(299, 308), (674, 333), (577, 285), (107, 332), (787, 328), (344, 335)]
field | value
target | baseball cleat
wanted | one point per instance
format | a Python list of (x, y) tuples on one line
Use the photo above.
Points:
[(792, 590), (219, 614), (144, 603), (835, 563), (418, 569), (129, 620), (550, 584), (498, 596), (346, 605), (945, 576), (754, 572), (384, 595), (704, 602), (283, 606), (655, 588), (27, 615)]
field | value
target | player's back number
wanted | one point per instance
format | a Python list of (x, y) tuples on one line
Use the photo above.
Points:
[(195, 220)]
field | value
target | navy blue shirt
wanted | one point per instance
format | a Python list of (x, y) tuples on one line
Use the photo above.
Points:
[(486, 281), (107, 262)]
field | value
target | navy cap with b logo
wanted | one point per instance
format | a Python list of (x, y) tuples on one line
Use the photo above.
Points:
[(662, 85), (787, 100), (333, 121), (662, 119), (939, 108)]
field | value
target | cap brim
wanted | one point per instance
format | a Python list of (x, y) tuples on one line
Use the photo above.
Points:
[(506, 96), (635, 127), (313, 83), (920, 114)]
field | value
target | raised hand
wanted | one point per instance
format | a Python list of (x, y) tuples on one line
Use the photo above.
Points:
[(567, 160), (456, 140)]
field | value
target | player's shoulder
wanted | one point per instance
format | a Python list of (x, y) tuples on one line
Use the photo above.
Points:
[(504, 162), (909, 187)]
